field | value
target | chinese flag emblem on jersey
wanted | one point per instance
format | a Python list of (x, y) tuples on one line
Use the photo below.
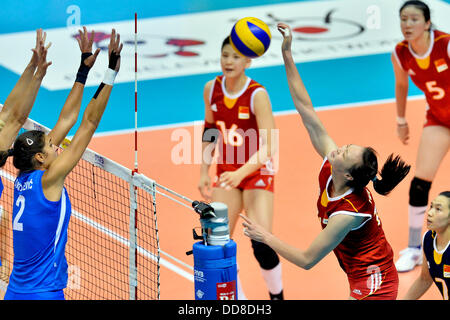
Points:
[(244, 113), (440, 65), (446, 271)]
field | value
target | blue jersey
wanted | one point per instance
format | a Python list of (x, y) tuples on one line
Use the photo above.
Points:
[(438, 263), (39, 237)]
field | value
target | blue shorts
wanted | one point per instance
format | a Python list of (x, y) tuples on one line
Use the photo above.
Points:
[(48, 295)]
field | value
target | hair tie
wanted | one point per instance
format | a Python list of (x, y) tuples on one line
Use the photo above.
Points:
[(374, 179)]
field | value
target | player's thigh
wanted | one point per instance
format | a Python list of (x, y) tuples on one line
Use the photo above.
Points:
[(434, 144), (258, 205), (233, 199)]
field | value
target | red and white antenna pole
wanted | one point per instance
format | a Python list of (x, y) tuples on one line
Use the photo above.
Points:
[(133, 189), (135, 96)]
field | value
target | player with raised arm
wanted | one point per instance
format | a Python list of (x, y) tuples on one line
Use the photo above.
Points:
[(41, 207), (350, 223), (15, 111)]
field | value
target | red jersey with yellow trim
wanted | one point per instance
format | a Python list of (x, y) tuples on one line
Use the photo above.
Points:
[(430, 72), (234, 117), (364, 249)]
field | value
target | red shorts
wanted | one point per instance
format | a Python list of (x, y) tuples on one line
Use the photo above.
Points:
[(433, 120), (257, 180), (377, 285)]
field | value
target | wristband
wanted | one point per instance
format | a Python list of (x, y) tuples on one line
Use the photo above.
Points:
[(210, 135), (83, 70), (110, 76), (113, 58), (401, 121)]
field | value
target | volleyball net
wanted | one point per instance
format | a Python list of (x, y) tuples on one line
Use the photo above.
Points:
[(113, 246)]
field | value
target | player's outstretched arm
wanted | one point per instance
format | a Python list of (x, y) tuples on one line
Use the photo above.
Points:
[(320, 139), (10, 110), (328, 239), (71, 109), (19, 113), (421, 284), (53, 178), (401, 96)]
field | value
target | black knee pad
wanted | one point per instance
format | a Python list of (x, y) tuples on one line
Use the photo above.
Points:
[(265, 255), (418, 192)]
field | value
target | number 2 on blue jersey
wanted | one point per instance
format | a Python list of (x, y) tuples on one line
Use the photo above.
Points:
[(20, 202)]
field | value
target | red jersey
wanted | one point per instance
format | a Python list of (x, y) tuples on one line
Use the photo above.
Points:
[(234, 117), (430, 72), (364, 249)]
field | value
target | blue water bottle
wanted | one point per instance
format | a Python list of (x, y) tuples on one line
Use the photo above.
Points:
[(215, 269)]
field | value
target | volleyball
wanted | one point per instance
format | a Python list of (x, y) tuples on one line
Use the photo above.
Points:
[(250, 37)]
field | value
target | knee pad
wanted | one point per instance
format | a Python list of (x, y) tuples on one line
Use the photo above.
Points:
[(418, 192), (265, 255)]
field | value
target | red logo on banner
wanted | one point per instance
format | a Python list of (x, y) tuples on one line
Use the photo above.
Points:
[(226, 290)]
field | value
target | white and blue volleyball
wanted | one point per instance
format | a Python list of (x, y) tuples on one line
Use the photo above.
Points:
[(250, 37)]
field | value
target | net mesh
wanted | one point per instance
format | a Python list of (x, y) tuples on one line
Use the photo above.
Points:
[(105, 255)]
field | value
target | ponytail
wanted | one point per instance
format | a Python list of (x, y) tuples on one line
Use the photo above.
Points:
[(4, 155), (393, 171)]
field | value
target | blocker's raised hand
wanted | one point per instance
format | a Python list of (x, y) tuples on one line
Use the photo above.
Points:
[(114, 49), (85, 43)]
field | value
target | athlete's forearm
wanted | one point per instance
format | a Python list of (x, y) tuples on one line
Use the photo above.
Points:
[(401, 96), (289, 252), (69, 113), (19, 113), (299, 94), (417, 289), (28, 97), (265, 153), (256, 161), (207, 156), (18, 91)]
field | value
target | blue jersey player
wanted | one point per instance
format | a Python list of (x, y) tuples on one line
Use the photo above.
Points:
[(436, 249), (41, 208)]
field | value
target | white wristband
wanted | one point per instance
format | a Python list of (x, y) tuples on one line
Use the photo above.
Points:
[(110, 75), (401, 120)]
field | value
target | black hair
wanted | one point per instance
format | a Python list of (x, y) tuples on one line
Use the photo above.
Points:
[(422, 6), (394, 170), (25, 147), (225, 42), (4, 154), (447, 195)]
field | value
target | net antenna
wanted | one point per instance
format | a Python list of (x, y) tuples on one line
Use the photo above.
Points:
[(133, 190)]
